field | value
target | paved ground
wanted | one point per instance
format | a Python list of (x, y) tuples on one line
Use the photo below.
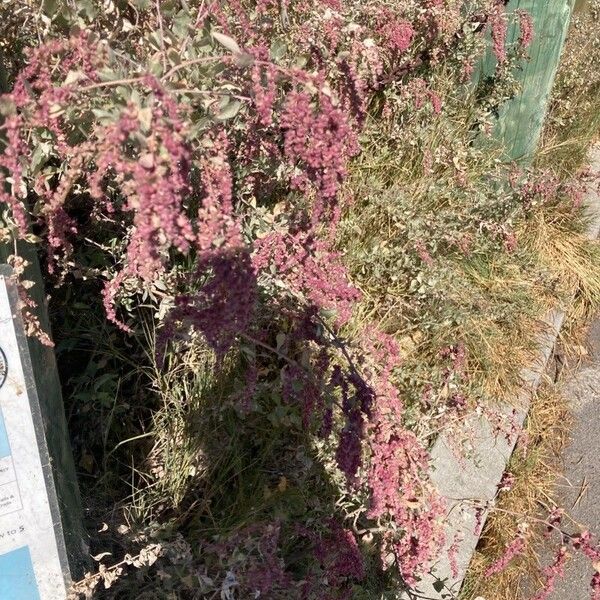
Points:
[(580, 490)]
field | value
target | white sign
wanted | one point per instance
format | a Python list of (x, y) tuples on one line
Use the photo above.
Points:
[(30, 565)]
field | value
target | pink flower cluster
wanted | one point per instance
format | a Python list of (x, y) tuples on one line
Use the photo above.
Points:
[(223, 305), (318, 140), (595, 585), (499, 24), (421, 93), (514, 549), (399, 490), (584, 543), (539, 189), (453, 554), (10, 161), (264, 87), (339, 554), (397, 476), (526, 28), (551, 573), (36, 102), (397, 33), (153, 184), (356, 408), (310, 270), (261, 570), (506, 482)]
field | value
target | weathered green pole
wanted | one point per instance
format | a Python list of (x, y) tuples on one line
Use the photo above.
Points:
[(521, 119)]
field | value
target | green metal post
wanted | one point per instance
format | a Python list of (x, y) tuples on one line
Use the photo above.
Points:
[(521, 119)]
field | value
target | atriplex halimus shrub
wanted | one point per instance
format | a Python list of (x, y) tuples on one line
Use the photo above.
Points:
[(207, 161)]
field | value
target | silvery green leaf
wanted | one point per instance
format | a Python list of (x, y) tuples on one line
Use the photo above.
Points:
[(74, 77), (230, 110), (227, 41), (278, 49)]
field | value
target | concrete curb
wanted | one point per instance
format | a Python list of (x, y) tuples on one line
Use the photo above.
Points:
[(466, 482)]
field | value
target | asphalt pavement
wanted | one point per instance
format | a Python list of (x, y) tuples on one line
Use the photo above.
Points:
[(579, 489)]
